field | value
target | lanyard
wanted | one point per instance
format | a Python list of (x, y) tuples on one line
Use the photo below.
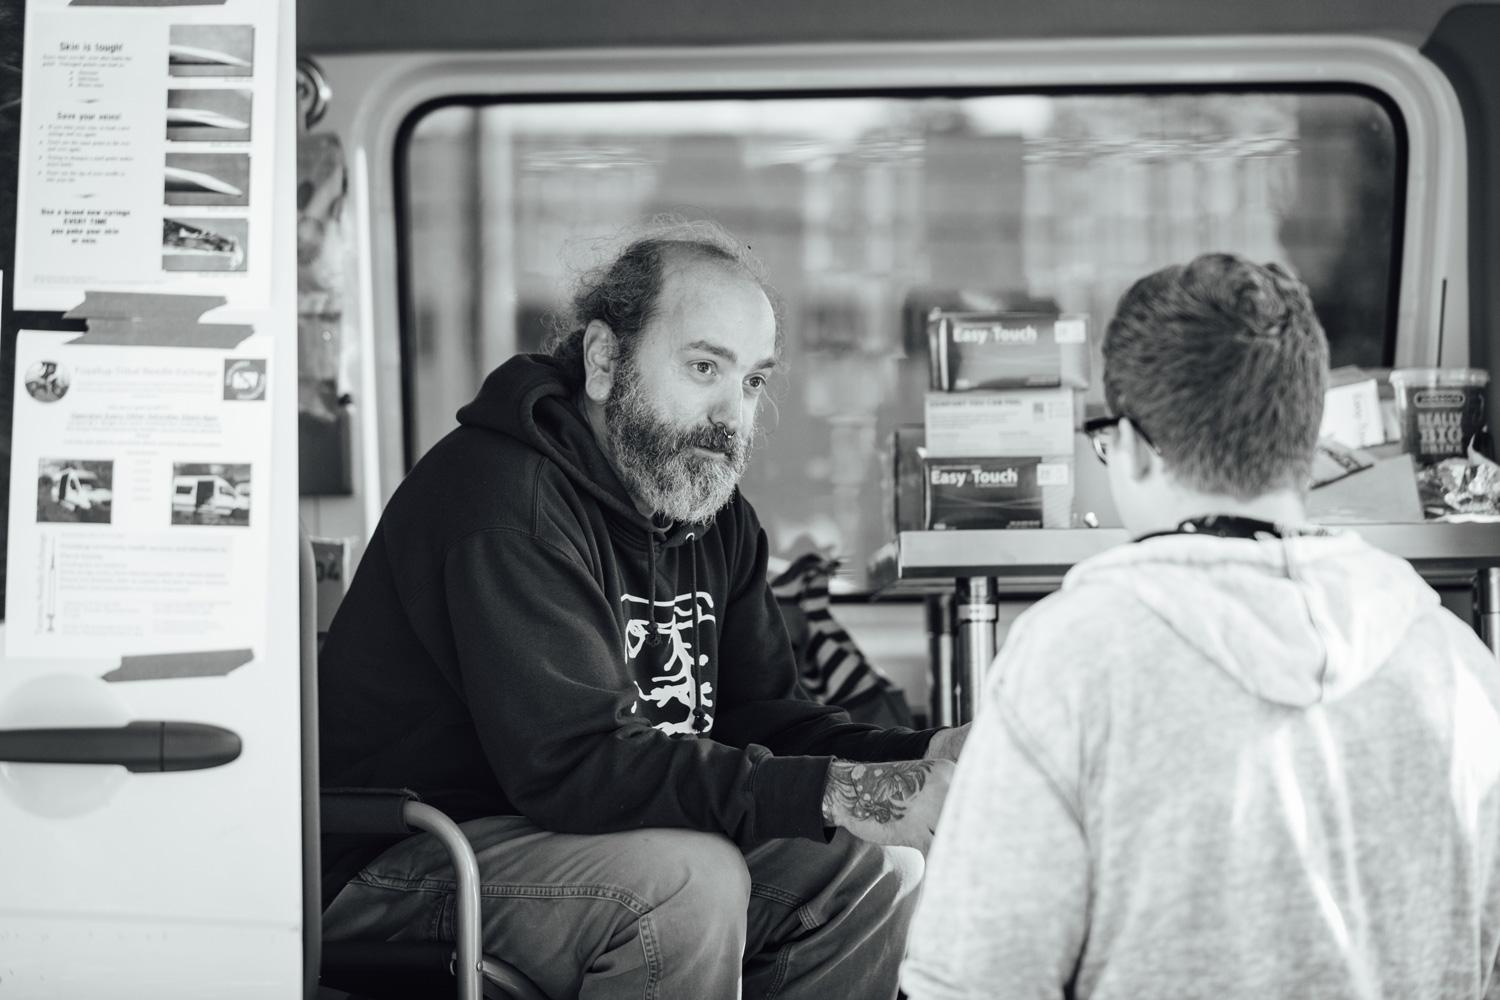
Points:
[(1235, 526)]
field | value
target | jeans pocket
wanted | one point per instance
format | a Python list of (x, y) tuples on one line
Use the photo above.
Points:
[(386, 909), (444, 919)]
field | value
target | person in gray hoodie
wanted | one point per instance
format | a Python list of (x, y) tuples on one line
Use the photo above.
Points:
[(1240, 756)]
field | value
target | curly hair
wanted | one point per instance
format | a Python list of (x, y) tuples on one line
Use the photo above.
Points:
[(625, 291), (1223, 364)]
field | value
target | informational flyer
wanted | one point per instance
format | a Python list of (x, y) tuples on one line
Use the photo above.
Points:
[(147, 531), (146, 161)]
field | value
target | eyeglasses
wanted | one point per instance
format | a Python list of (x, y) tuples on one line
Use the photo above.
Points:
[(1096, 428)]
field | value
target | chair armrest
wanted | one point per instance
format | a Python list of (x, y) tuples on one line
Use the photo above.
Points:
[(367, 812), (386, 812)]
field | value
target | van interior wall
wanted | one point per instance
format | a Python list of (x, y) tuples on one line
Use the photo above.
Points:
[(329, 26)]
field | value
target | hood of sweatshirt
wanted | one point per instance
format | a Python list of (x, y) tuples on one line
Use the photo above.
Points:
[(1296, 620), (534, 399)]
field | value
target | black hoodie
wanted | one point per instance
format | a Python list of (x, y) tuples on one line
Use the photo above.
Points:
[(520, 640)]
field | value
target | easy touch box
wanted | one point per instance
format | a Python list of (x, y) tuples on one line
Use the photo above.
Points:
[(1017, 422), (1002, 350), (973, 493)]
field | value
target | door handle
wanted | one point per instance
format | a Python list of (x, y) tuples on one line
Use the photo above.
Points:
[(137, 746)]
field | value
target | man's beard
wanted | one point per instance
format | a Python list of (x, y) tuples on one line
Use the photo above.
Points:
[(657, 461)]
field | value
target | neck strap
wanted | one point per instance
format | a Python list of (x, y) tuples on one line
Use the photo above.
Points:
[(1235, 526)]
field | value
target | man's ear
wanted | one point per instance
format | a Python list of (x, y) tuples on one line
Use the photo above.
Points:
[(1138, 456), (600, 349)]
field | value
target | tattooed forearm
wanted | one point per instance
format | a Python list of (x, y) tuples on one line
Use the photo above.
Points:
[(880, 792)]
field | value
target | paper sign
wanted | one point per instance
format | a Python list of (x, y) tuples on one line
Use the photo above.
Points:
[(146, 529), (143, 152), (1351, 414)]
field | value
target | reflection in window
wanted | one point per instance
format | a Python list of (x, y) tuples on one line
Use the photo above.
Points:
[(868, 212)]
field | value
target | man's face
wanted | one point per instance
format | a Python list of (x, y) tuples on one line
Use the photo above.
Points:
[(681, 410)]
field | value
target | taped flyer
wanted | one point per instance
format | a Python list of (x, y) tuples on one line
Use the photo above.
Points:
[(147, 531), (146, 158)]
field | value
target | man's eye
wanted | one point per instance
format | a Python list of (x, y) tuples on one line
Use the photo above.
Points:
[(703, 367), (756, 382)]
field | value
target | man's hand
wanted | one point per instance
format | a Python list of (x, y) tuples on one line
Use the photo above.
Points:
[(895, 803), (946, 743)]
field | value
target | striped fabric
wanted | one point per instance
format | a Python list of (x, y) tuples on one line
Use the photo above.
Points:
[(833, 669)]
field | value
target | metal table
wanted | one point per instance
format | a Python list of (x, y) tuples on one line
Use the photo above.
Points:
[(974, 569)]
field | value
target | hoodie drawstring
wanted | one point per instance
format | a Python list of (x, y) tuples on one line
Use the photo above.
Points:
[(653, 634), (699, 716)]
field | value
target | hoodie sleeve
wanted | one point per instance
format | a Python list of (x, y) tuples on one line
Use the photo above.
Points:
[(539, 664), (761, 701), (986, 925)]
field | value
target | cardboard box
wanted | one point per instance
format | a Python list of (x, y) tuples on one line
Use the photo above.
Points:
[(1015, 423), (987, 492), (1003, 350), (905, 490)]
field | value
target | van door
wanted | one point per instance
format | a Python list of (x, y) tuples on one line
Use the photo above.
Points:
[(151, 781)]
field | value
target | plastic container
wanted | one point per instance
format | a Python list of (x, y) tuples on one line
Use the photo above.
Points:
[(1441, 409)]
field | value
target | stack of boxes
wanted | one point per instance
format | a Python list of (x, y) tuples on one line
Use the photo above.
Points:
[(1000, 420)]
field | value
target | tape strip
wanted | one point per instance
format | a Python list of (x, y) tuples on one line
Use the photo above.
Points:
[(145, 3), (152, 320), (164, 666)]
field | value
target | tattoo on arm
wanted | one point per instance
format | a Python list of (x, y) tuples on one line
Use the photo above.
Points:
[(879, 792)]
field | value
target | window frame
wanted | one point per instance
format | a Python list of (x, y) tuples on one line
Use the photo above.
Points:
[(1432, 291)]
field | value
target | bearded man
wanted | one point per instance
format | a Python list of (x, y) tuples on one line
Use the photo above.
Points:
[(561, 634)]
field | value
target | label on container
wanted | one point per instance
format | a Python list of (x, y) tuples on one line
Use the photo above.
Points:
[(979, 493), (1007, 350), (998, 492), (1440, 420), (1018, 422)]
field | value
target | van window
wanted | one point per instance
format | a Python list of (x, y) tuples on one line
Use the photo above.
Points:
[(868, 210)]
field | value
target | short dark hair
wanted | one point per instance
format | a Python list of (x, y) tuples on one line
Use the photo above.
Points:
[(625, 291), (1223, 364)]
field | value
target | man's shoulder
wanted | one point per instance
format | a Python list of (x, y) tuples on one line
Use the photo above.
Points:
[(474, 479)]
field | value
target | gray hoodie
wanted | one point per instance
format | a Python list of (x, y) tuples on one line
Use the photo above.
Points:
[(1224, 768)]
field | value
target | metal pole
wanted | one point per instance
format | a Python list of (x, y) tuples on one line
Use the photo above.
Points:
[(1487, 607), (312, 900), (976, 611), (940, 659), (468, 965)]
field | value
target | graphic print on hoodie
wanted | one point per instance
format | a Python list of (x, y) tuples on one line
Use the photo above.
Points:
[(678, 625)]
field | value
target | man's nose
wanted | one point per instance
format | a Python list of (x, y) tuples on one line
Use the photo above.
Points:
[(728, 411)]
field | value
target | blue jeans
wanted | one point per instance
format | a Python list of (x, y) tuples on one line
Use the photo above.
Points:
[(646, 914)]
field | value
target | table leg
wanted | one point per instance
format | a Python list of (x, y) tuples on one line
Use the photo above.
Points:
[(976, 610), (940, 658)]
